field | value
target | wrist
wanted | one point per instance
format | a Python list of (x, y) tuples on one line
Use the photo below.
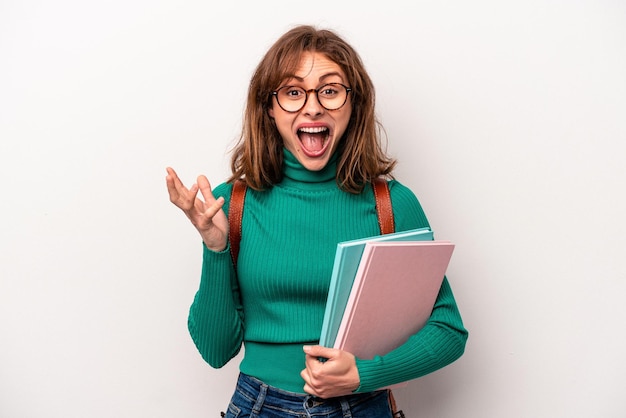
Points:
[(212, 245)]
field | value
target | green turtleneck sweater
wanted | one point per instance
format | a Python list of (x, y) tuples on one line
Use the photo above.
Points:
[(276, 303)]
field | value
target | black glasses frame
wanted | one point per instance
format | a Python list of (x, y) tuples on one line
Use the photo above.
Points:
[(306, 98)]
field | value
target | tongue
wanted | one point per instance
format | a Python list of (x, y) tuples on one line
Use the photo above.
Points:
[(312, 142)]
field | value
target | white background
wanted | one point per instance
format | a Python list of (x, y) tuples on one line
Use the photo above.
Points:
[(508, 120)]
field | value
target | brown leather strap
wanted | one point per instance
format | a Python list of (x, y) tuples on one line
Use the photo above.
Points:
[(394, 408), (383, 205), (235, 215), (386, 222)]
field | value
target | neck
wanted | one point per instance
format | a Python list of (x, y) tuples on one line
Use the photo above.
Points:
[(295, 173)]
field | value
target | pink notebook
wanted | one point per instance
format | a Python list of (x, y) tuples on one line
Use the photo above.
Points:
[(393, 295)]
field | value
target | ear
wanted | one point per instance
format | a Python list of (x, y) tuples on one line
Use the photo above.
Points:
[(270, 112)]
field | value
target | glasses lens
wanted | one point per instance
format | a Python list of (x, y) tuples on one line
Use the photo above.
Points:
[(332, 96), (291, 98)]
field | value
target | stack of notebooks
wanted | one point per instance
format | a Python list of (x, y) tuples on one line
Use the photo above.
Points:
[(382, 290)]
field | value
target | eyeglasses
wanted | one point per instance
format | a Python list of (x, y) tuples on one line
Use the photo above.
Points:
[(331, 96)]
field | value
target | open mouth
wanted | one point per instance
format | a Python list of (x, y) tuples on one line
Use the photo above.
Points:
[(314, 140)]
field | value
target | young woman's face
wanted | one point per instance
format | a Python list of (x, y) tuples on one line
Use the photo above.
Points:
[(313, 132)]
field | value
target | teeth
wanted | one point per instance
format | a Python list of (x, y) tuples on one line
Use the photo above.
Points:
[(314, 130)]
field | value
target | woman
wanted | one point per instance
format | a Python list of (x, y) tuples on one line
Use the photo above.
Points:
[(309, 147)]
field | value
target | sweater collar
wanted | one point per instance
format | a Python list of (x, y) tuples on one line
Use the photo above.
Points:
[(294, 172)]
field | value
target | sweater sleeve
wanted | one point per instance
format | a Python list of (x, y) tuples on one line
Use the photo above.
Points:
[(442, 339), (216, 316)]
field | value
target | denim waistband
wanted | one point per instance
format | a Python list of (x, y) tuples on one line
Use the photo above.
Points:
[(264, 396)]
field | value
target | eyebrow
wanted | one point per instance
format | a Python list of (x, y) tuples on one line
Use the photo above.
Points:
[(322, 78)]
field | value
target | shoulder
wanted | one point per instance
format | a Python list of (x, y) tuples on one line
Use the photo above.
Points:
[(401, 195), (406, 207), (223, 190)]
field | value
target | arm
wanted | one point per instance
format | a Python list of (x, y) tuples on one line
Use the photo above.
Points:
[(440, 342), (216, 316)]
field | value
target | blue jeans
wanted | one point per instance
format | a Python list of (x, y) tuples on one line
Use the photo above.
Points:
[(253, 398)]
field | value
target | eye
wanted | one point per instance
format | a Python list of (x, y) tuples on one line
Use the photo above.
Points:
[(329, 90), (292, 93)]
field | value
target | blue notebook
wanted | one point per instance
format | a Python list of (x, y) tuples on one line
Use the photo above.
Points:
[(347, 258)]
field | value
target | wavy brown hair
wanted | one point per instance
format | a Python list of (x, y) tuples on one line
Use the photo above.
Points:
[(258, 155)]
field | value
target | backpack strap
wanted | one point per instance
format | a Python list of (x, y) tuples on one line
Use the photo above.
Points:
[(238, 194), (383, 205), (235, 214)]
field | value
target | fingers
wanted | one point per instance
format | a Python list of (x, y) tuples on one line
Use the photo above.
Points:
[(336, 376), (175, 187), (213, 208), (205, 189), (188, 201), (173, 183), (180, 196), (314, 374), (318, 351), (206, 216)]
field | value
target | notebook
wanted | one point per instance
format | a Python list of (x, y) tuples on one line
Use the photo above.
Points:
[(346, 263), (393, 294)]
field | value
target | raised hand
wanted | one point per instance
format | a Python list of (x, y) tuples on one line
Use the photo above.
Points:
[(206, 215)]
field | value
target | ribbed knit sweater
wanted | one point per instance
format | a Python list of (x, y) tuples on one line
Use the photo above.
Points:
[(276, 302)]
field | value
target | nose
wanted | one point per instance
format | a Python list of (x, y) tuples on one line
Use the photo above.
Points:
[(312, 106)]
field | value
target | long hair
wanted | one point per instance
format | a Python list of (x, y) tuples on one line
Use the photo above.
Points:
[(258, 155)]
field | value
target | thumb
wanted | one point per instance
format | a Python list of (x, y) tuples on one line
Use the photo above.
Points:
[(319, 351)]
